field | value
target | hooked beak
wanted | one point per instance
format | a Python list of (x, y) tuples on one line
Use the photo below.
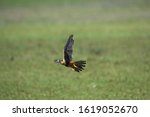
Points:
[(57, 61)]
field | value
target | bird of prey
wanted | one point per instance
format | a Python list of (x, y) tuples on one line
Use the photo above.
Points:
[(67, 60)]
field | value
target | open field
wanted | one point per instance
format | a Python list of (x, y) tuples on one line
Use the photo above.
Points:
[(113, 36)]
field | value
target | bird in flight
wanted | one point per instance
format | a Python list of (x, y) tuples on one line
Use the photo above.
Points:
[(67, 60)]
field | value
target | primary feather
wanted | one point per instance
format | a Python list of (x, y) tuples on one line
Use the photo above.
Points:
[(68, 50)]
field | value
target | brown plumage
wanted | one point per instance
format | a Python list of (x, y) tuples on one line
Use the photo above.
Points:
[(67, 60)]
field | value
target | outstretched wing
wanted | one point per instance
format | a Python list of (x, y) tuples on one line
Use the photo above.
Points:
[(68, 50)]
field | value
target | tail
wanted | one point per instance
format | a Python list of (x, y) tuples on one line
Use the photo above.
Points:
[(79, 65)]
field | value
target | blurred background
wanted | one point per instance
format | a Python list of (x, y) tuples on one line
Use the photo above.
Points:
[(113, 36)]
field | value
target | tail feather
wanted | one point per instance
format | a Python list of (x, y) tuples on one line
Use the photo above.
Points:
[(79, 65)]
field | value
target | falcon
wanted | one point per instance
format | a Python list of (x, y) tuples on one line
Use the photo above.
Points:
[(67, 60)]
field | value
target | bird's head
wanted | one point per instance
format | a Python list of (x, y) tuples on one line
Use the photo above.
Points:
[(59, 61)]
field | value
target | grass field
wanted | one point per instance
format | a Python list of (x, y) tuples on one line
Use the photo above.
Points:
[(113, 36)]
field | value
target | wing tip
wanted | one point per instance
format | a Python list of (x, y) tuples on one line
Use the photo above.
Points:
[(71, 36)]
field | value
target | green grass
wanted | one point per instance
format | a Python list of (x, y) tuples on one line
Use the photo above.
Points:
[(113, 37)]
